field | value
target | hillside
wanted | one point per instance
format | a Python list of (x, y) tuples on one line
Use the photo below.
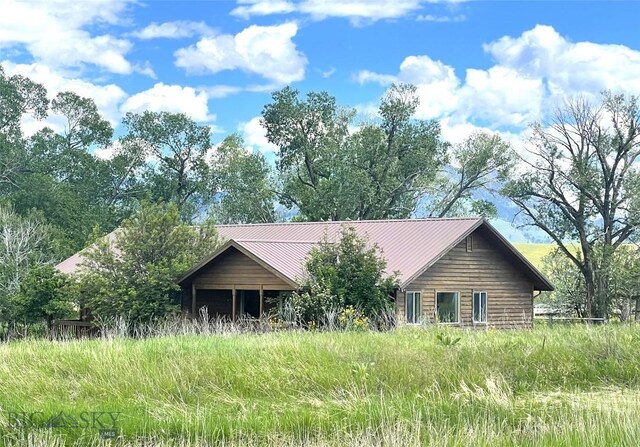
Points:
[(535, 252), (560, 386)]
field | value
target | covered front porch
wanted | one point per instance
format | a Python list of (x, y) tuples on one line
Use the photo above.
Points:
[(249, 301), (235, 283)]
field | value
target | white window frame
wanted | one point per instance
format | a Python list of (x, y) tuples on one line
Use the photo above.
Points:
[(486, 307), (457, 306), (417, 313)]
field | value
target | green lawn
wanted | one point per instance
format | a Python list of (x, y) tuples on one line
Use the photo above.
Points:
[(560, 386)]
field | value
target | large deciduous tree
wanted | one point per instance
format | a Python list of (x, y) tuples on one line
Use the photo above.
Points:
[(482, 161), (309, 134), (179, 172), (245, 187), (385, 168), (18, 96), (581, 184), (63, 178)]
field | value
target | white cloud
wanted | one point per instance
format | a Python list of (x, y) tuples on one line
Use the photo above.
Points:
[(250, 8), (221, 91), (328, 73), (54, 32), (264, 50), (568, 67), (173, 30), (441, 19), (107, 97), (357, 11), (531, 71), (171, 98), (255, 136)]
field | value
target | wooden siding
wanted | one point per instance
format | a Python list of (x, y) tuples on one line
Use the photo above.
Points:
[(481, 269), (234, 268)]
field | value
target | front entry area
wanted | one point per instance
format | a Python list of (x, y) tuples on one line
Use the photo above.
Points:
[(233, 284), (231, 303)]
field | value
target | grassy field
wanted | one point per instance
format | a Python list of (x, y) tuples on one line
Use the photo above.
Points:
[(560, 386), (535, 252)]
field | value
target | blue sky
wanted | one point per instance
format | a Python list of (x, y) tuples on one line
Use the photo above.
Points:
[(478, 65)]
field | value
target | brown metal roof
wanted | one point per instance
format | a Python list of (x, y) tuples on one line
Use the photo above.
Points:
[(410, 246)]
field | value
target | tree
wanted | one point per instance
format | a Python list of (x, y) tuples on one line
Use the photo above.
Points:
[(18, 96), (346, 273), (308, 134), (245, 187), (569, 294), (25, 243), (624, 282), (44, 295), (383, 169), (392, 163), (179, 172), (63, 179), (582, 185), (481, 162), (134, 275), (84, 125)]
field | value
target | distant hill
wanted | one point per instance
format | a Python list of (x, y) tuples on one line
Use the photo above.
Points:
[(535, 252)]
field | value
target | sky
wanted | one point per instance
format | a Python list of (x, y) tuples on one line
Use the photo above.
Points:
[(490, 65)]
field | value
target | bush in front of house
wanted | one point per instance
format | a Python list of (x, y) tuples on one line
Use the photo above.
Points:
[(345, 277), (134, 275)]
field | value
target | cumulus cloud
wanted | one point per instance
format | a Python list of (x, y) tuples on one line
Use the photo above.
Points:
[(255, 136), (267, 51), (531, 71), (173, 30), (568, 67), (357, 11), (171, 98), (55, 32)]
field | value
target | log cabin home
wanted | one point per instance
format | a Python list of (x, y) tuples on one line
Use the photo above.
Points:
[(454, 271)]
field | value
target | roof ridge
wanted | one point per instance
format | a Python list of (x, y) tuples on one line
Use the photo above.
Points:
[(275, 241), (341, 222)]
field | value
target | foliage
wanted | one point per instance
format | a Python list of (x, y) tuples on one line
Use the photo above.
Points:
[(245, 186), (569, 296), (311, 306), (342, 274), (179, 145), (45, 294), (481, 162), (134, 273), (384, 168), (353, 319), (582, 185), (448, 339), (25, 243), (624, 282)]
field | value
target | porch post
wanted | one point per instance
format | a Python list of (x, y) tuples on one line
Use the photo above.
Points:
[(233, 303), (261, 300), (193, 300)]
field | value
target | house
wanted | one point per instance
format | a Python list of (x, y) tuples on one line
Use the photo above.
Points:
[(457, 271)]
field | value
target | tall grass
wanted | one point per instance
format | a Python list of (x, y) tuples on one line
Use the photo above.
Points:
[(547, 386)]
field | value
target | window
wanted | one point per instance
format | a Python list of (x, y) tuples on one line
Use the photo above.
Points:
[(412, 306), (470, 243), (447, 307), (479, 307)]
